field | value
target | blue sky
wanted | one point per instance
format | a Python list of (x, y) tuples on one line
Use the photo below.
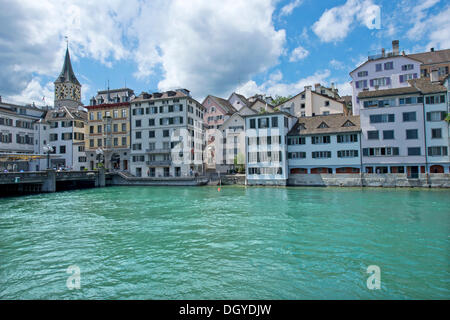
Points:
[(209, 47)]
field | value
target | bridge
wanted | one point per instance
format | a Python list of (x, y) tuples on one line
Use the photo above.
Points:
[(48, 181)]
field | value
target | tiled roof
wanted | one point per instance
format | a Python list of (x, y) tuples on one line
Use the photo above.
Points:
[(225, 105), (144, 96), (426, 86), (387, 92), (432, 57), (66, 113), (334, 123)]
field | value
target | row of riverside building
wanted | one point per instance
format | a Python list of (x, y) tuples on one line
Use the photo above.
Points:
[(396, 121)]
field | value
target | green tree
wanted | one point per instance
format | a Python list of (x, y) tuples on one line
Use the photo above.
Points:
[(280, 99)]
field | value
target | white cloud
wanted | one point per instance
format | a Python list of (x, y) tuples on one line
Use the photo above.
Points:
[(208, 50), (284, 89), (188, 44), (336, 64), (298, 53), (32, 38), (33, 93), (287, 9), (337, 22), (434, 28)]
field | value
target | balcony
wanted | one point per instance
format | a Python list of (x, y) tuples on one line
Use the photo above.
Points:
[(158, 151), (159, 163)]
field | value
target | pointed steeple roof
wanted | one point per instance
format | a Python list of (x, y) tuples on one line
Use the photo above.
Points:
[(67, 74)]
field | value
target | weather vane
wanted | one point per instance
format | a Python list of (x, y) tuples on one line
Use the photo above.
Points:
[(67, 40)]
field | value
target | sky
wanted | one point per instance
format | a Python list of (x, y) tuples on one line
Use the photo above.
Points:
[(273, 47)]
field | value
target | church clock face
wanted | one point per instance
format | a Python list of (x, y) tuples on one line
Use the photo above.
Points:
[(76, 93), (59, 92)]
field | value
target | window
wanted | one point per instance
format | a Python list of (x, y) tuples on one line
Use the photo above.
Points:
[(327, 103), (412, 134), (414, 151), (165, 133), (116, 142), (435, 99), (124, 141), (389, 65), (91, 143), (378, 67), (82, 159), (380, 152), (274, 122), (406, 67), (296, 140), (263, 123), (151, 134), (388, 134), (361, 84), (91, 116), (124, 127), (115, 127), (99, 129), (363, 74), (380, 82), (409, 116), (320, 139), (436, 115), (347, 153), (138, 123), (137, 146), (437, 151), (436, 133), (296, 155), (321, 154), (406, 77), (410, 100), (99, 142), (62, 149), (346, 138), (99, 115), (372, 135), (379, 118), (138, 134), (116, 113), (124, 113)]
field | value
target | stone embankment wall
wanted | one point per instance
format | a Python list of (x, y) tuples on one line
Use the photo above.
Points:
[(370, 180)]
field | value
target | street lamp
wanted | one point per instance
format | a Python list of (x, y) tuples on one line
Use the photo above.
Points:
[(48, 149), (99, 153)]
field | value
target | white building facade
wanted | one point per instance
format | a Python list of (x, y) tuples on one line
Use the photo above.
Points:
[(167, 135), (387, 70), (325, 144), (266, 148)]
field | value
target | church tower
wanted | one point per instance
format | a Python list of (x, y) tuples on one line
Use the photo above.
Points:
[(67, 87)]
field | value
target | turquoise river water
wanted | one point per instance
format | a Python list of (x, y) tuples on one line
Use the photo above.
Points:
[(240, 243)]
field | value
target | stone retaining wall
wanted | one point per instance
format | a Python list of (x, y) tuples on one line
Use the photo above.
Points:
[(370, 180)]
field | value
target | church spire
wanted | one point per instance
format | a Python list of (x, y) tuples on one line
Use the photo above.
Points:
[(67, 74)]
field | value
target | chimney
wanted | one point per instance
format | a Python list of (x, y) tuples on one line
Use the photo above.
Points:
[(383, 52), (395, 47), (432, 50), (308, 88), (317, 87), (434, 77), (332, 86)]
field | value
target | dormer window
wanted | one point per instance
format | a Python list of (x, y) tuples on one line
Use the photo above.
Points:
[(348, 123), (323, 125)]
